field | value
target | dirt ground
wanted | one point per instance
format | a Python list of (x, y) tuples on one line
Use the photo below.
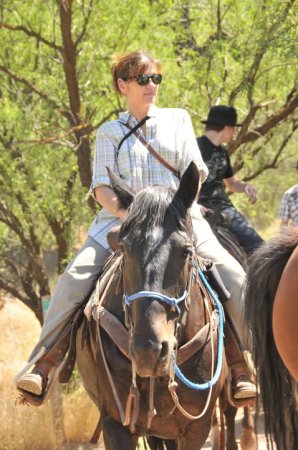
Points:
[(24, 428), (261, 441)]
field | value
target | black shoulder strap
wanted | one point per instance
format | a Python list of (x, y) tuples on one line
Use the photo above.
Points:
[(145, 143), (131, 131)]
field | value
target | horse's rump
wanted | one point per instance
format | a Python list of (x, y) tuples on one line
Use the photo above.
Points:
[(277, 388)]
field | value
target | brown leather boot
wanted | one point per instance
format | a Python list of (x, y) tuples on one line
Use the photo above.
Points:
[(242, 387), (36, 382), (242, 384)]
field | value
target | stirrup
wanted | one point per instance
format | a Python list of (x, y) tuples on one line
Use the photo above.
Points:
[(26, 397)]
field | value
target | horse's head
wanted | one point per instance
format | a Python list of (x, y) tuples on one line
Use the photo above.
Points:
[(156, 241)]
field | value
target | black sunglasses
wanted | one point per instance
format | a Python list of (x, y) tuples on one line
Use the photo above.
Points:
[(142, 80)]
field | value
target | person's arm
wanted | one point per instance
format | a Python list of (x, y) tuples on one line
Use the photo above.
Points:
[(191, 151), (104, 156), (107, 198), (284, 211), (235, 185), (205, 210)]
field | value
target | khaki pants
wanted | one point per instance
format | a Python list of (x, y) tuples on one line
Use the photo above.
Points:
[(231, 272), (73, 287)]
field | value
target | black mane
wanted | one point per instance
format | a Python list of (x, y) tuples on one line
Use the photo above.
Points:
[(150, 208)]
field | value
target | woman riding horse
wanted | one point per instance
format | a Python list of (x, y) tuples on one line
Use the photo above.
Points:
[(145, 146)]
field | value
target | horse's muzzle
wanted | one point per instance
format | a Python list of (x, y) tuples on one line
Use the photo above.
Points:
[(152, 359)]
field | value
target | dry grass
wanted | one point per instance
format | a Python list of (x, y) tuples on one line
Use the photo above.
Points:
[(23, 427)]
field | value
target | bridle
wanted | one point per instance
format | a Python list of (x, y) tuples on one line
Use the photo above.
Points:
[(194, 275), (133, 398), (195, 270), (174, 302), (171, 301)]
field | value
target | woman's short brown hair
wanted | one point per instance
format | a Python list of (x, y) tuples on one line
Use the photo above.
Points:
[(132, 64)]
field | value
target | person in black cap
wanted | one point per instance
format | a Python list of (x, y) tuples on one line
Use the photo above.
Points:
[(220, 128), (222, 120)]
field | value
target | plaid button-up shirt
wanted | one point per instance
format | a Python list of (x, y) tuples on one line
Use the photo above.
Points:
[(168, 131), (289, 205)]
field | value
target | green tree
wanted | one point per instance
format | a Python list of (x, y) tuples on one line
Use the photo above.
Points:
[(56, 90)]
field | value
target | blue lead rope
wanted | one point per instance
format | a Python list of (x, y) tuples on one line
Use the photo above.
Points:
[(214, 379)]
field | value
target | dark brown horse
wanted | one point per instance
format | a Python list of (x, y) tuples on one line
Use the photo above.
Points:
[(272, 312), (159, 296)]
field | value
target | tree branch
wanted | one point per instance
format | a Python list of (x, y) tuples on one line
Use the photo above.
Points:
[(69, 60), (31, 33), (30, 86), (12, 289), (86, 22), (275, 160), (248, 79), (85, 128), (57, 226), (232, 147), (106, 118), (272, 121)]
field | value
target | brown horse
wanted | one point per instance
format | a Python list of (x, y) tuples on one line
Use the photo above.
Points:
[(272, 312), (158, 295)]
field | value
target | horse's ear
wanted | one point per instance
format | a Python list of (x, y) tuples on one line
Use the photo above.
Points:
[(124, 193), (189, 185)]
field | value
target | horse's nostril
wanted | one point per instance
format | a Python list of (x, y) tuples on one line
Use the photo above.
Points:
[(164, 350)]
